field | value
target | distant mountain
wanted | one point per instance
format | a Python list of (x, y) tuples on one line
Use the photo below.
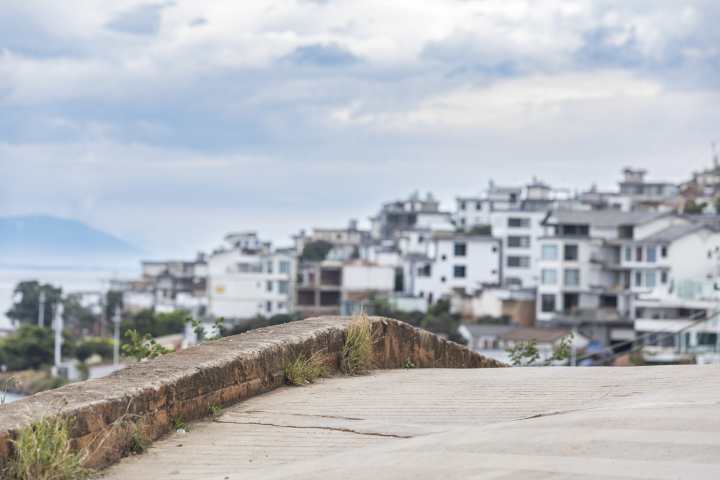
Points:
[(44, 241)]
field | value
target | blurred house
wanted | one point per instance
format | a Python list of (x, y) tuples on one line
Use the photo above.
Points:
[(251, 278), (345, 241), (517, 304), (333, 287)]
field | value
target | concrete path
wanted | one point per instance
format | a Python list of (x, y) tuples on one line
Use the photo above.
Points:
[(554, 422)]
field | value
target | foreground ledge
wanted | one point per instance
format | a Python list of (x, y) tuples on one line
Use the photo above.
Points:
[(228, 371)]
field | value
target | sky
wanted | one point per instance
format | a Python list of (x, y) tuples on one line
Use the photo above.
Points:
[(171, 123)]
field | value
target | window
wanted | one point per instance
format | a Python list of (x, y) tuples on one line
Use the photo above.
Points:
[(638, 279), (651, 254), (519, 222), (518, 242), (284, 266), (572, 277), (549, 252), (281, 306), (459, 271), (572, 230), (268, 286), (460, 249), (421, 239), (462, 205), (547, 303), (663, 277), (478, 206), (462, 221), (628, 254), (663, 252), (650, 279), (494, 249), (444, 257), (283, 287), (638, 254), (268, 306), (442, 279), (270, 267), (249, 267), (548, 276), (424, 270), (519, 262), (570, 253), (608, 301), (513, 197)]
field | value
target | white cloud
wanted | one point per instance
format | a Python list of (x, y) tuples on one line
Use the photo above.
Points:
[(513, 103)]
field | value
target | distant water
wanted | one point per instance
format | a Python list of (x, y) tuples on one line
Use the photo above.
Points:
[(11, 397), (79, 280)]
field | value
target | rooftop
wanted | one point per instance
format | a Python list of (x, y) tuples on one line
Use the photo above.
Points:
[(604, 218)]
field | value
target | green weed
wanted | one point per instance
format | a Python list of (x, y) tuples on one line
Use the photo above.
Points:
[(178, 424), (303, 370), (200, 330), (408, 364), (43, 451), (144, 347), (17, 384), (357, 354), (139, 443), (215, 410)]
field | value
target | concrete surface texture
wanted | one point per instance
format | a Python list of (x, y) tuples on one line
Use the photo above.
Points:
[(226, 371), (545, 422)]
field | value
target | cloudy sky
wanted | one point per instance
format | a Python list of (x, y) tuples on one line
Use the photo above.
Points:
[(170, 123)]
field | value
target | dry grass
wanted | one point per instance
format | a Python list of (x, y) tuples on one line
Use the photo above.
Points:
[(302, 371), (43, 452), (357, 354)]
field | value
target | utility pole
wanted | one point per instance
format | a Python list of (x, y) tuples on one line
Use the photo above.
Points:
[(573, 351), (58, 336), (116, 344), (41, 312), (103, 316)]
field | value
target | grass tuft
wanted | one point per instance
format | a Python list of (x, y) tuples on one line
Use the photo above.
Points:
[(303, 370), (357, 354), (215, 410), (178, 424), (43, 451), (139, 443)]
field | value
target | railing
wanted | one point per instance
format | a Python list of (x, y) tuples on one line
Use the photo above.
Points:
[(594, 314)]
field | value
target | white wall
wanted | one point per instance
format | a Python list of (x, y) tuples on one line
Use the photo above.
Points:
[(236, 294), (368, 277)]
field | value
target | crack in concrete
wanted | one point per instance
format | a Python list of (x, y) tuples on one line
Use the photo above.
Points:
[(348, 430), (295, 415)]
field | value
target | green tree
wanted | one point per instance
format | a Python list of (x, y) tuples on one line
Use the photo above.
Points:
[(89, 346), (694, 208), (75, 314), (316, 251), (27, 309), (114, 300), (156, 324), (32, 347)]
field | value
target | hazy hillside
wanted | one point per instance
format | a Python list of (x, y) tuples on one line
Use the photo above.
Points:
[(44, 241)]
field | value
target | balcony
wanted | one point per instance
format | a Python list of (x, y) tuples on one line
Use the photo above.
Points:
[(593, 315)]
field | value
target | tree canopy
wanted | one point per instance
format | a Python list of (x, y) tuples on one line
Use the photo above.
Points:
[(26, 310)]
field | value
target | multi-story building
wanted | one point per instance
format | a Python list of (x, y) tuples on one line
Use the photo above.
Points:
[(345, 241), (452, 261), (593, 264), (332, 287), (168, 286), (402, 215), (647, 195), (251, 279)]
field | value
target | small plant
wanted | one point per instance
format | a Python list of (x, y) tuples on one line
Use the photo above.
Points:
[(524, 353), (563, 350), (200, 330), (139, 443), (17, 384), (178, 424), (145, 347), (408, 364), (303, 370), (215, 410), (43, 451), (357, 354)]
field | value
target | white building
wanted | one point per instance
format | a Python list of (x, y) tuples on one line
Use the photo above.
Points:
[(584, 265), (251, 279), (449, 262)]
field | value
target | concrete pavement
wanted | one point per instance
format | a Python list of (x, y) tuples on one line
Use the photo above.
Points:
[(552, 422)]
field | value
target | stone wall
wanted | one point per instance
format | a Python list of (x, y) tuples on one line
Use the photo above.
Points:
[(228, 371)]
